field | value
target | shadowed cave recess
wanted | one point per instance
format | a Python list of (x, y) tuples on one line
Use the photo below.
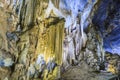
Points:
[(59, 39)]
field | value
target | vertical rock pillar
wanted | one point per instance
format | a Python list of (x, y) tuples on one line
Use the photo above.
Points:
[(45, 36)]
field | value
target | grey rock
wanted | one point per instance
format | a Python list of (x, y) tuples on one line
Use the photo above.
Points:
[(1, 5), (6, 62), (5, 59), (12, 36)]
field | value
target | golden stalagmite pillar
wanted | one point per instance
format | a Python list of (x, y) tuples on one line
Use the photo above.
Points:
[(50, 37), (50, 42)]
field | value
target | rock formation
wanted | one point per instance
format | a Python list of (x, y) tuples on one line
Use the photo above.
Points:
[(59, 39)]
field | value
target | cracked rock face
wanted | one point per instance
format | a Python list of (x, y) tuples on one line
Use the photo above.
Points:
[(56, 39)]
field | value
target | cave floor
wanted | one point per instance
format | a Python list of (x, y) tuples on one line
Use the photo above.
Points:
[(84, 72)]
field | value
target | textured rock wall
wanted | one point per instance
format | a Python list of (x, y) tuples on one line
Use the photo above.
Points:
[(33, 43), (107, 19)]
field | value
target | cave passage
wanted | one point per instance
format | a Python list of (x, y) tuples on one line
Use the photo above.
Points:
[(60, 40)]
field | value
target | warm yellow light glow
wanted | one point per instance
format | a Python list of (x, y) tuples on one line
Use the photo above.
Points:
[(111, 68)]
